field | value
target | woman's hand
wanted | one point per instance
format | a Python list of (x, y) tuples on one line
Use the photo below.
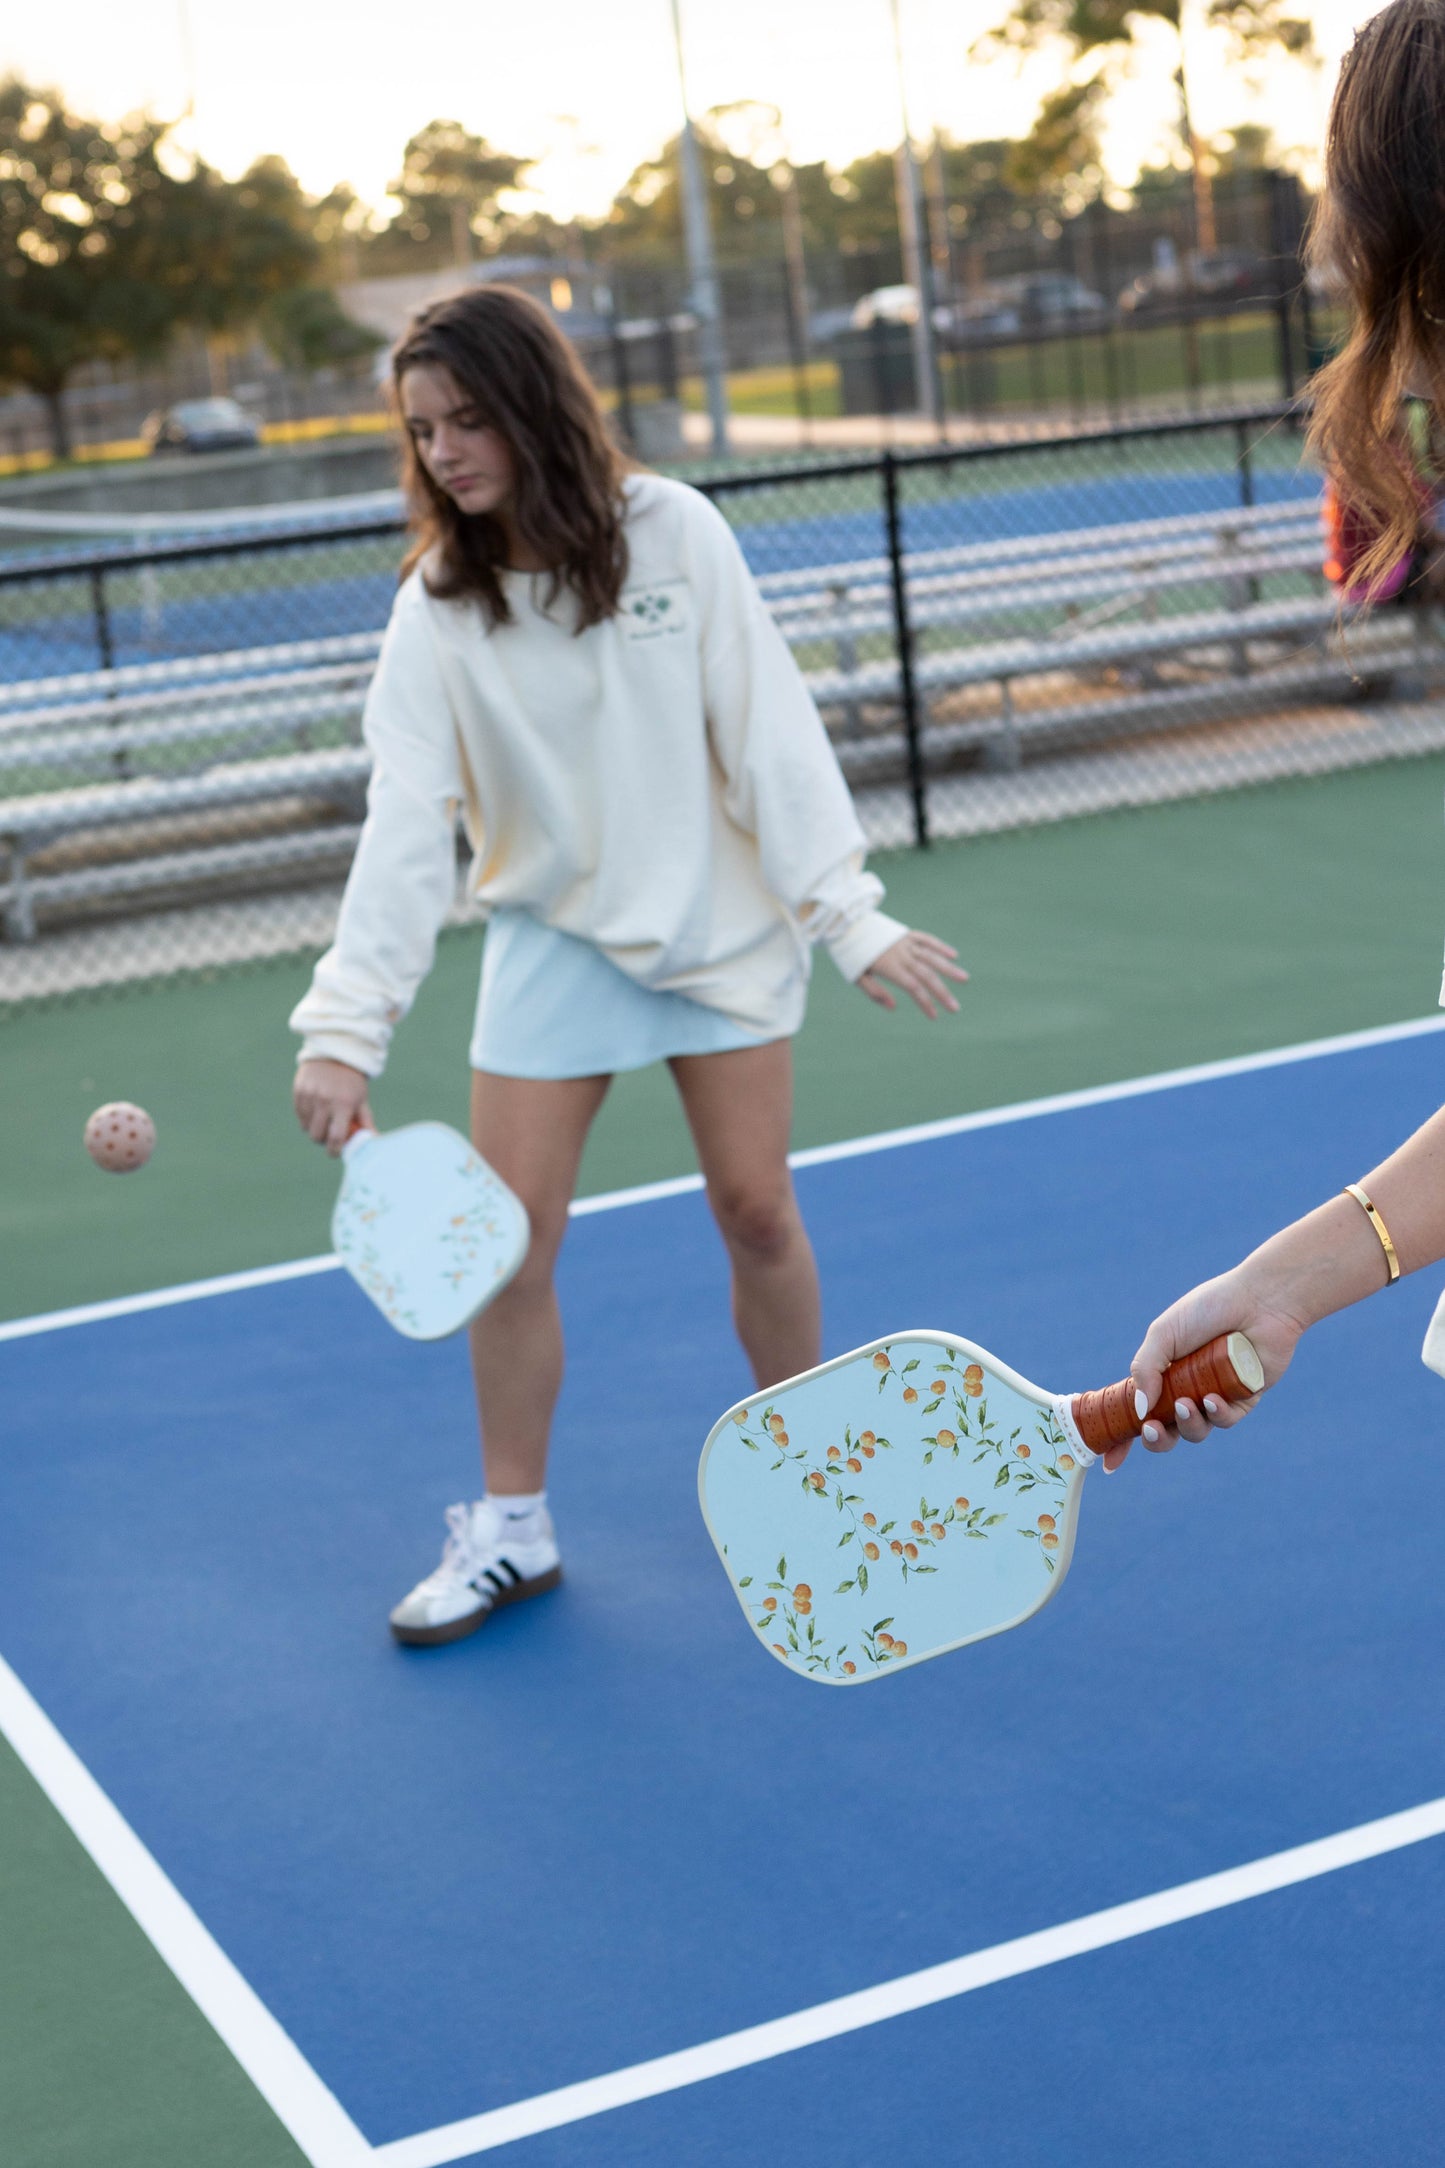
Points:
[(1232, 1303), (330, 1100), (922, 965)]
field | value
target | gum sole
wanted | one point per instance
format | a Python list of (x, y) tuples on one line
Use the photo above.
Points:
[(429, 1637)]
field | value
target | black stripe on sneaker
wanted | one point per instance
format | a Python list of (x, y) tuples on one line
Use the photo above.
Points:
[(507, 1567), (488, 1575)]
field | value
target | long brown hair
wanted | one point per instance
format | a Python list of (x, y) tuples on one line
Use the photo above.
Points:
[(1381, 230), (517, 369)]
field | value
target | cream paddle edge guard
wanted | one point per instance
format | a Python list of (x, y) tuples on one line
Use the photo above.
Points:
[(1432, 1354), (912, 1496)]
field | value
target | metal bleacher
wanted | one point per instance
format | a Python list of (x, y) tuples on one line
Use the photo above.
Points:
[(238, 769)]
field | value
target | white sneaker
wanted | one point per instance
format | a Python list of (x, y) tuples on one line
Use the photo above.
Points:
[(483, 1566)]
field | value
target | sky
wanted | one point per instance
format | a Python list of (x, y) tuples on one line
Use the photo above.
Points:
[(589, 87)]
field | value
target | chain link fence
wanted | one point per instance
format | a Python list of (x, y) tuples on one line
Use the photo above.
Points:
[(995, 634)]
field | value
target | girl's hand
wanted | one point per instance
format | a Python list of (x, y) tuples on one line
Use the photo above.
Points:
[(1232, 1303), (922, 965), (330, 1099)]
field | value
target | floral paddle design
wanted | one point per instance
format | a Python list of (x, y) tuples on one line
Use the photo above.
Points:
[(905, 1499), (426, 1228)]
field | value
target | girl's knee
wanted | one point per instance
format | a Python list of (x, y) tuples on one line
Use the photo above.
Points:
[(760, 1219), (534, 1274)]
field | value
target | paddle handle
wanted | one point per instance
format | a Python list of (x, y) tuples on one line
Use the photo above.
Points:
[(1228, 1368)]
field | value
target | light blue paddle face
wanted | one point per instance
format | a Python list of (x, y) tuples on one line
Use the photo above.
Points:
[(898, 1502), (425, 1228)]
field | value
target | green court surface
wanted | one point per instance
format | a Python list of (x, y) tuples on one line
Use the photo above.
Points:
[(1100, 949)]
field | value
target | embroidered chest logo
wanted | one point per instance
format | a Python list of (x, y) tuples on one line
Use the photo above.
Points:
[(654, 613)]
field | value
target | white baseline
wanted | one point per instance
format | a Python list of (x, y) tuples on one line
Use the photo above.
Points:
[(914, 1991)]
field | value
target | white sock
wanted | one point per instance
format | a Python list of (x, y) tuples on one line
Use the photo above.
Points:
[(517, 1505)]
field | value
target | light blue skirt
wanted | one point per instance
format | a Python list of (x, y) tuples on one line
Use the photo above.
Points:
[(551, 1005)]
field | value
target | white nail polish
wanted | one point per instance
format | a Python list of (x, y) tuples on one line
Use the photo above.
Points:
[(1181, 1411), (1211, 1407), (1151, 1435), (1141, 1404)]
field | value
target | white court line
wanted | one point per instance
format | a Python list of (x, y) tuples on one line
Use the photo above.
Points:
[(267, 2054), (914, 1991), (818, 1155), (297, 2095), (162, 1298)]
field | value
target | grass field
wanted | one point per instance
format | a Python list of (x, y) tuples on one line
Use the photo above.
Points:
[(1221, 359)]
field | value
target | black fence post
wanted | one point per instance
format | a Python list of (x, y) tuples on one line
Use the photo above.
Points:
[(100, 609), (1244, 465), (1101, 271), (1285, 335), (903, 640), (1286, 228), (621, 382), (797, 354), (882, 371), (667, 369)]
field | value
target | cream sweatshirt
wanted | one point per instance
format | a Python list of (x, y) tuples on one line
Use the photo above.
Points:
[(660, 784)]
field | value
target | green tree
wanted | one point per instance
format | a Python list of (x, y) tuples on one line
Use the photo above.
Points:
[(644, 222), (307, 328), (77, 202), (449, 189), (104, 251), (848, 212), (1061, 157), (1090, 35)]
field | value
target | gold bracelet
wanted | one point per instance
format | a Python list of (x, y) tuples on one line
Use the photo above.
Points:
[(1353, 1189)]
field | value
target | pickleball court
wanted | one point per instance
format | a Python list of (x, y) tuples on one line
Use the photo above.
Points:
[(418, 1893)]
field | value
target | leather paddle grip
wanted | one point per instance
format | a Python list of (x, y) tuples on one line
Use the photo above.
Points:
[(1228, 1368)]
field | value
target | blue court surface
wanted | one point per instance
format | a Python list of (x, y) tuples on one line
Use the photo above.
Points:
[(610, 1829)]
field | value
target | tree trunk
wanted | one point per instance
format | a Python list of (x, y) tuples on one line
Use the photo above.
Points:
[(1206, 238), (461, 235), (59, 420)]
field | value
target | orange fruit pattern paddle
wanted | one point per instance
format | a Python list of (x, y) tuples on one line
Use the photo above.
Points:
[(914, 1496)]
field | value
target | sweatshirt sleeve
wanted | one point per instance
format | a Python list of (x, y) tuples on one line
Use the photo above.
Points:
[(403, 876), (781, 779)]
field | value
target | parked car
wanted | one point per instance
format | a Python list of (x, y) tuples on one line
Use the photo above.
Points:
[(824, 325), (1225, 274), (886, 305), (201, 425), (1050, 297), (981, 317)]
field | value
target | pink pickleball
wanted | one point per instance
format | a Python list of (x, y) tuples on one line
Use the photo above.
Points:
[(120, 1137)]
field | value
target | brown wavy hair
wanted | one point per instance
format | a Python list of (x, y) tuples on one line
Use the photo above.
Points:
[(521, 374), (1381, 230)]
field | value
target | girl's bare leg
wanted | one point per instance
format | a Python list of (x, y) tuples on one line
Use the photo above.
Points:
[(532, 1132), (739, 1107)]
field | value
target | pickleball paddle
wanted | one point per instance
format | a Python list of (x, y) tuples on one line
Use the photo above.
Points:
[(425, 1227), (915, 1495)]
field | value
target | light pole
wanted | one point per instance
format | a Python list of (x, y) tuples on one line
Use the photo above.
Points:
[(702, 270), (916, 267)]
